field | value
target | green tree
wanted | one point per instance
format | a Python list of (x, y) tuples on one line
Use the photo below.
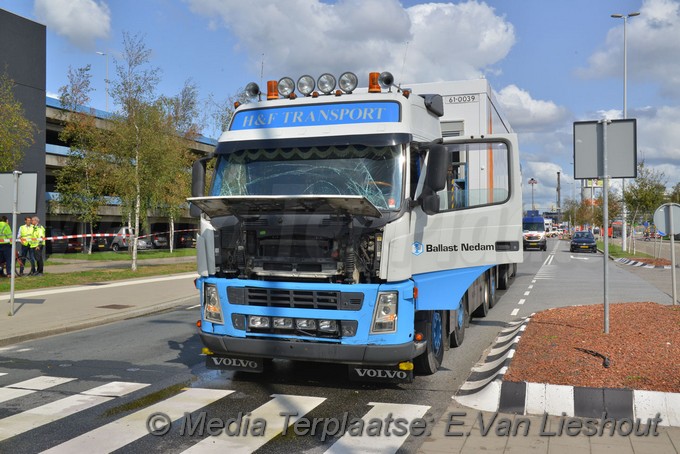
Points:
[(81, 183), (16, 131), (645, 193), (179, 128), (675, 194), (614, 203), (133, 143)]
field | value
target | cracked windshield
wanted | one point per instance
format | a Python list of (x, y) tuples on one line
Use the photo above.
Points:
[(372, 172)]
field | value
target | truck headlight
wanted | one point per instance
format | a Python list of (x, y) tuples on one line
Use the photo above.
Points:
[(385, 314), (212, 308)]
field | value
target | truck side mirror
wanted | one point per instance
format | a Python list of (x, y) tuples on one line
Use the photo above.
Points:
[(198, 182), (435, 178)]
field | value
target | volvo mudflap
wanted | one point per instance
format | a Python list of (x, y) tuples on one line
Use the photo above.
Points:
[(401, 373), (234, 363)]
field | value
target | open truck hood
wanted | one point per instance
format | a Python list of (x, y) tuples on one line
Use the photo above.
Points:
[(356, 205)]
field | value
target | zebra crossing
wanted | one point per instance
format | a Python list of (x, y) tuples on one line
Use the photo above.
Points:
[(187, 415)]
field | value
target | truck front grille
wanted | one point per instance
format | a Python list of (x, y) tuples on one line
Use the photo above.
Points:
[(299, 299)]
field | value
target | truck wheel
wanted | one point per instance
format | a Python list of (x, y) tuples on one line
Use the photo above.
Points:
[(115, 247), (483, 308), (492, 287), (428, 363), (460, 318), (504, 277)]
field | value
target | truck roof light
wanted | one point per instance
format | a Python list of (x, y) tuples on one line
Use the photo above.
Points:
[(286, 86), (272, 90), (348, 82), (305, 85), (373, 84), (253, 90), (326, 83), (386, 79), (338, 92), (236, 104)]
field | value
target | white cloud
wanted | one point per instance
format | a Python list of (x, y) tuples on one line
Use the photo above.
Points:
[(653, 48), (432, 42), (80, 21), (530, 115)]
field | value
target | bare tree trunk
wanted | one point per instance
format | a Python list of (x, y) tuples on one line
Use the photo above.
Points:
[(171, 238), (138, 203)]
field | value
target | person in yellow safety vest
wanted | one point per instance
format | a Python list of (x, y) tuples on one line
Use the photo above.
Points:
[(26, 253), (5, 247), (37, 241)]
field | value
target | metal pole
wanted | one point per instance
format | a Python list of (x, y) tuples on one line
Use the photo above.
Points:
[(12, 270), (624, 237), (605, 215), (669, 221)]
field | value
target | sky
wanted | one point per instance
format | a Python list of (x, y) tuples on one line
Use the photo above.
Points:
[(550, 62)]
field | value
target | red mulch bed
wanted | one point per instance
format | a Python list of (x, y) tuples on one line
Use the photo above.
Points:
[(643, 347), (655, 262)]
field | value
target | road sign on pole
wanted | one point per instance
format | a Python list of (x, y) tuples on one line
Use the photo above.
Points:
[(667, 219)]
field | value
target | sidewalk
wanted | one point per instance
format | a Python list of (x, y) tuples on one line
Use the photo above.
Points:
[(463, 429), (48, 311)]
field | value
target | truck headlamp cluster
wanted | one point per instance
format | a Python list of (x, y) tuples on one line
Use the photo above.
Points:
[(310, 326), (385, 315), (212, 308), (285, 87)]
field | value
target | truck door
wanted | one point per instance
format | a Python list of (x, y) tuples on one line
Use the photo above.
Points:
[(479, 221)]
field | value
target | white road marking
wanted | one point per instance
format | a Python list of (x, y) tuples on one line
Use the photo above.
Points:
[(514, 312), (193, 307), (41, 383), (526, 293), (521, 301), (54, 411), (123, 431), (530, 287), (31, 386), (348, 444), (295, 406)]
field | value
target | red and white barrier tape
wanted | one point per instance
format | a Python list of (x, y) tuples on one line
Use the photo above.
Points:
[(97, 235)]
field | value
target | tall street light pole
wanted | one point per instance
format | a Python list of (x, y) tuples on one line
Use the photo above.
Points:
[(106, 81), (625, 115), (532, 182)]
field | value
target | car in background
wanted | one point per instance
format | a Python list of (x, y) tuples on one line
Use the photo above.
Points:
[(583, 241), (122, 239), (63, 245), (186, 239), (158, 241)]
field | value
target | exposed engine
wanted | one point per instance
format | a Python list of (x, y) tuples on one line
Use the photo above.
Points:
[(336, 249)]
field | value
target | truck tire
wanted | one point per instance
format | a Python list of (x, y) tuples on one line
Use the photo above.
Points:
[(115, 247), (492, 287), (460, 318), (504, 277), (483, 308), (428, 363)]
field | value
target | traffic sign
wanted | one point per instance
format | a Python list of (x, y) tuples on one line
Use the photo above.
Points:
[(667, 218)]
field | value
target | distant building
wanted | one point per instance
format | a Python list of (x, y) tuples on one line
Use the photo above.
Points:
[(23, 54)]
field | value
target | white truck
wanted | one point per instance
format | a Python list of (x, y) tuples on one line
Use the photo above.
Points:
[(355, 226)]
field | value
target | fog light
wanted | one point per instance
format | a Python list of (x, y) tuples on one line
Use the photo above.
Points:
[(256, 321), (348, 328), (283, 323), (206, 351), (306, 324), (328, 326), (239, 321)]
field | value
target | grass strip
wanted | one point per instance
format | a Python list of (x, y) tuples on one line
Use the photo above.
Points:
[(93, 276)]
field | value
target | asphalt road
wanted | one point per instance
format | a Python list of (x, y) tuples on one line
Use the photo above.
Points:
[(155, 365)]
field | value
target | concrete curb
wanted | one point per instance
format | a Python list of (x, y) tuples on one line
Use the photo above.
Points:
[(486, 390), (98, 321)]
